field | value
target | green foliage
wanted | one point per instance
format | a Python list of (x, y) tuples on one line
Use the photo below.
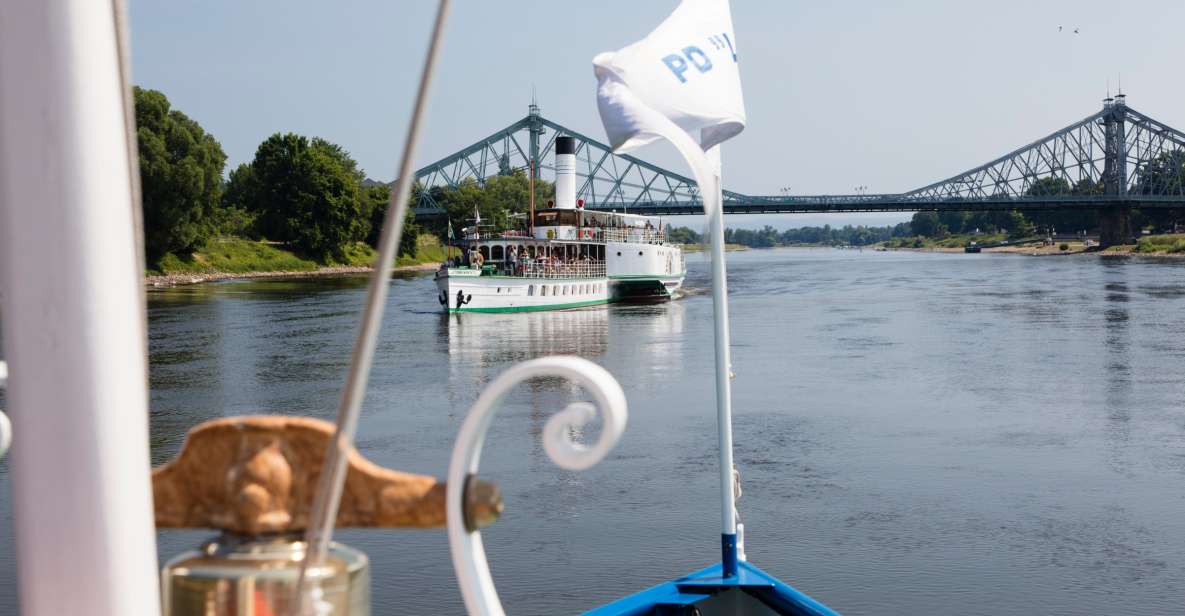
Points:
[(927, 224), (428, 250), (1163, 175), (1161, 244), (768, 236), (376, 198), (1063, 220), (237, 217), (683, 235), (180, 176), (501, 196), (234, 255), (1063, 246), (306, 192)]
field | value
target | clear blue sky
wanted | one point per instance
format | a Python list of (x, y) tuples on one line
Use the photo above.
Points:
[(888, 95)]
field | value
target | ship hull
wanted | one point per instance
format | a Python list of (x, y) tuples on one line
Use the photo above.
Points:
[(645, 289), (462, 290)]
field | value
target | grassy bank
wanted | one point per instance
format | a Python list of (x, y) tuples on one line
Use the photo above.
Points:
[(236, 255), (1161, 244)]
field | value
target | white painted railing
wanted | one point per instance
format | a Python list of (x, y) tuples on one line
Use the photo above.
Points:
[(575, 269), (469, 558), (633, 235)]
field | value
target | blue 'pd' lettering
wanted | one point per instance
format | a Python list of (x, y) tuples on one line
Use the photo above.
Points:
[(677, 65), (697, 57)]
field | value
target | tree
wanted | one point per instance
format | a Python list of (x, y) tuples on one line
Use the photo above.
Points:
[(377, 198), (683, 235), (927, 224), (306, 192), (180, 176), (1163, 175), (1064, 220), (236, 217), (501, 196)]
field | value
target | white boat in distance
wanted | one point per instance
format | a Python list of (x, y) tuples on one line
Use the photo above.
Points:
[(566, 258)]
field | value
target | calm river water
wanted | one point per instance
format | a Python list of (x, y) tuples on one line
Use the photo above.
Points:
[(917, 433)]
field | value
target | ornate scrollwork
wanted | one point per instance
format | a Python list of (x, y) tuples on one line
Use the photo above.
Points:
[(468, 553)]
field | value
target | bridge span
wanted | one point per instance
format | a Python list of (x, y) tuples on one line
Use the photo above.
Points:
[(1112, 161)]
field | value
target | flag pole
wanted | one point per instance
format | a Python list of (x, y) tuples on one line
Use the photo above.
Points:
[(728, 531)]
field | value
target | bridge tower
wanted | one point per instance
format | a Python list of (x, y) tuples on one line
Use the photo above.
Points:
[(1115, 219), (535, 130)]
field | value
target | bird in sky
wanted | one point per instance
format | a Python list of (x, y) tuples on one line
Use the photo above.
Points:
[(1075, 30), (1059, 28)]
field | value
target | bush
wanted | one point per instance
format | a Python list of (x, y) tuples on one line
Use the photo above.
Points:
[(1161, 243), (1063, 246)]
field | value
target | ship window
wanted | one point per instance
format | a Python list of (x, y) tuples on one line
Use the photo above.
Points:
[(543, 289), (485, 252), (619, 254), (498, 253), (639, 253), (531, 290)]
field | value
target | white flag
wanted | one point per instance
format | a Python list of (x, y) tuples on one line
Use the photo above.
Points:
[(680, 83)]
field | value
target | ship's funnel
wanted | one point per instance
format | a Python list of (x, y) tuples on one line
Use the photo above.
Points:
[(565, 173)]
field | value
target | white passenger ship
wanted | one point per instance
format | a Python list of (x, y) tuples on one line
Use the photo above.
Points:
[(566, 257)]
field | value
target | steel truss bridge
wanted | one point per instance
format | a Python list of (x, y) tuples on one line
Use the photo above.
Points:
[(1111, 161)]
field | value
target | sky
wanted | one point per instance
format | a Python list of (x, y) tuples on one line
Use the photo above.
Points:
[(888, 95)]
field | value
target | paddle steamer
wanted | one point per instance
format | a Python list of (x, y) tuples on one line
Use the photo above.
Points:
[(563, 257)]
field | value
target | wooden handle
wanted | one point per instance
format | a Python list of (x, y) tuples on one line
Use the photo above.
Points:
[(258, 474)]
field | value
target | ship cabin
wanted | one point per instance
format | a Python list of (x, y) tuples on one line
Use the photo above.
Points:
[(568, 243)]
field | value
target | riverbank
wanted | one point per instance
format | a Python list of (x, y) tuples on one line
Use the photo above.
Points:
[(171, 280), (231, 258), (1171, 246), (703, 247)]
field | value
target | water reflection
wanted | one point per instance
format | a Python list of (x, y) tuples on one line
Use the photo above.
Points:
[(1117, 399), (498, 339)]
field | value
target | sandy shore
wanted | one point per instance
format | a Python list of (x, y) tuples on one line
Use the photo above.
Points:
[(180, 279)]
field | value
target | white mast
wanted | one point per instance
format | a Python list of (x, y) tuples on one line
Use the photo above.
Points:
[(728, 528), (72, 278)]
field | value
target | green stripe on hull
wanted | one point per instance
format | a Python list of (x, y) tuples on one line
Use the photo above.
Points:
[(594, 302)]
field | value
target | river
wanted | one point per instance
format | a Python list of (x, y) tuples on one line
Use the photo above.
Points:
[(916, 433)]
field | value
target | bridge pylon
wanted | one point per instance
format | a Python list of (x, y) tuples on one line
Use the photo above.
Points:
[(1115, 219)]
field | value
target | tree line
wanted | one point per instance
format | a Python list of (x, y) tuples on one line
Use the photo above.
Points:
[(305, 192), (1164, 174), (311, 195), (768, 237)]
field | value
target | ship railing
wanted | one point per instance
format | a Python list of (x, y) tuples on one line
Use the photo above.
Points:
[(633, 235), (537, 268)]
